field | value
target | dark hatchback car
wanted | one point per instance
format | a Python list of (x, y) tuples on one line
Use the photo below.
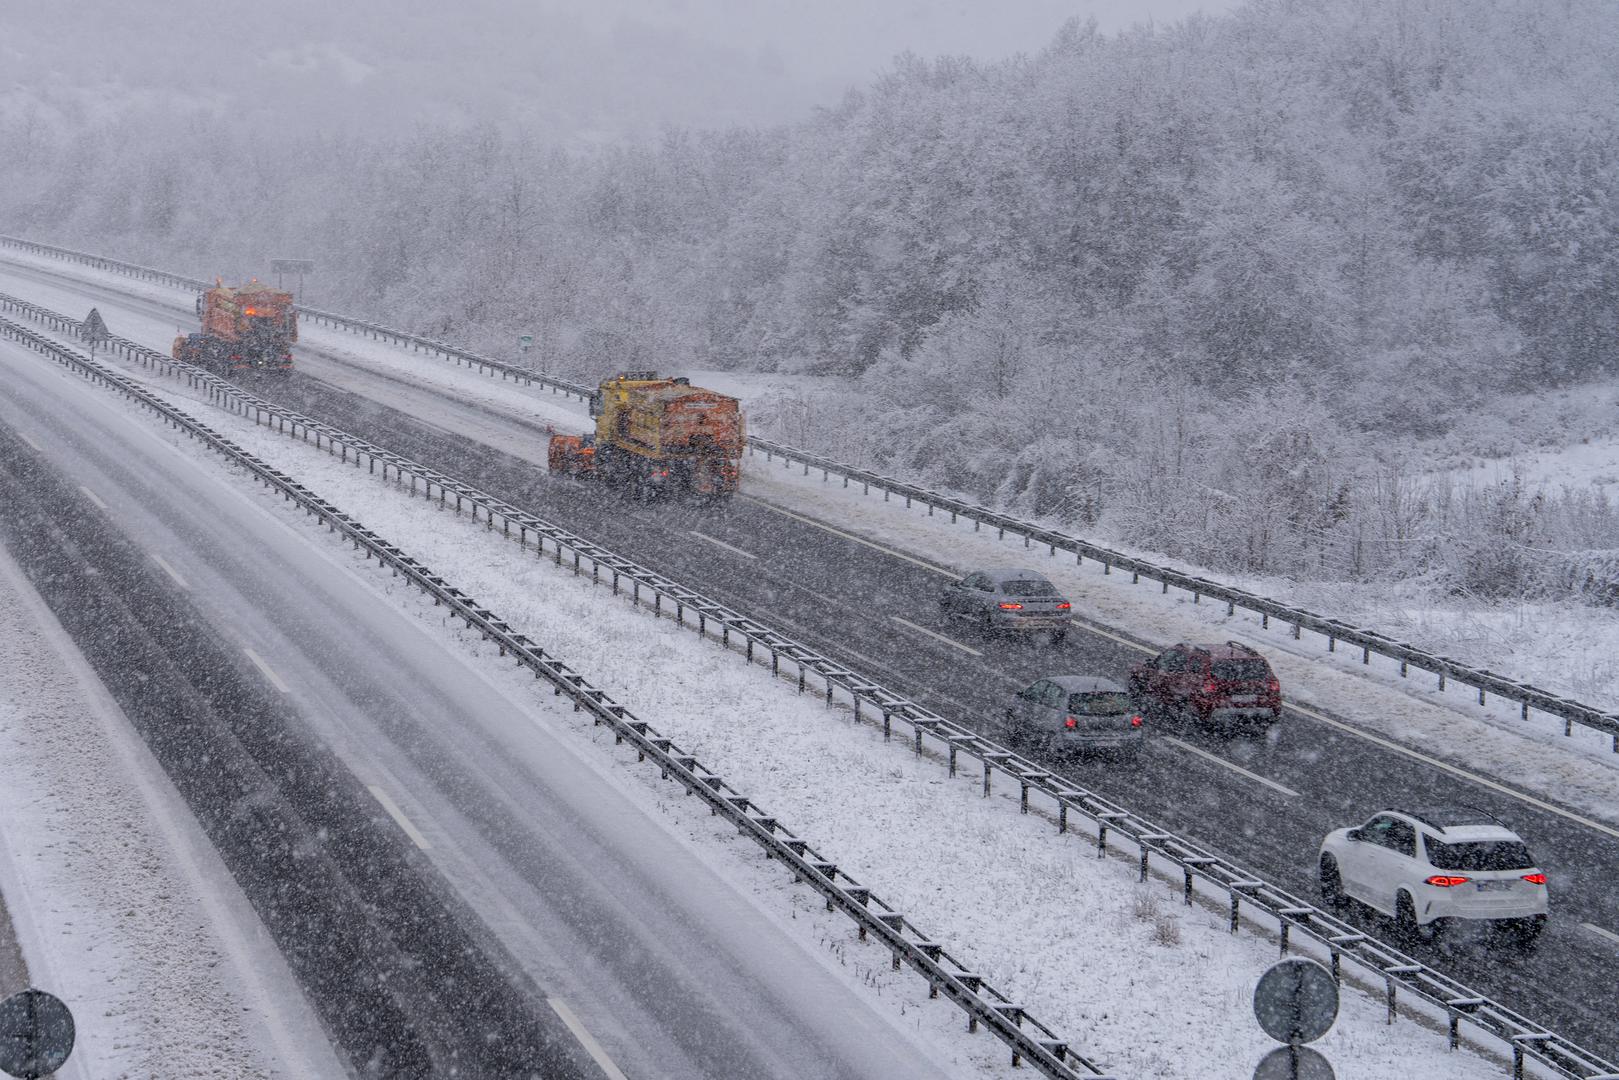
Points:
[(1021, 601), (1227, 686), (1076, 714)]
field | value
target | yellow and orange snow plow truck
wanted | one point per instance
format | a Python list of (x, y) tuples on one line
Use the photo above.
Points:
[(244, 330), (656, 436)]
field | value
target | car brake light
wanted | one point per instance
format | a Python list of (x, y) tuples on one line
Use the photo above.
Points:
[(1008, 606), (1445, 881), (1136, 721), (1063, 605), (1273, 686), (1535, 879), (1071, 722), (1211, 687)]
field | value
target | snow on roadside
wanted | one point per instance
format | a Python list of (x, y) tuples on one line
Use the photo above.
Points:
[(1072, 937), (1569, 648), (122, 907)]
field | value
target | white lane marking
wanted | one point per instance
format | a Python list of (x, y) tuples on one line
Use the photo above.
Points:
[(399, 817), (92, 496), (1092, 628), (935, 637), (24, 437), (824, 527), (171, 571), (258, 662), (586, 1039), (1349, 729), (1218, 760), (1609, 934), (721, 543), (1445, 766)]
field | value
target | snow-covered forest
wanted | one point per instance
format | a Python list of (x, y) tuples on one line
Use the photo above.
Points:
[(1239, 290)]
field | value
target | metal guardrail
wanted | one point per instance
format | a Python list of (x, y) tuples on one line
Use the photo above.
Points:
[(1028, 1038), (1446, 669), (1066, 803)]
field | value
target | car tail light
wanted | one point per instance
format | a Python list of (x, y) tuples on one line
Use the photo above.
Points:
[(1063, 605), (1071, 722), (1445, 881), (1136, 721), (1273, 686), (1210, 686), (1535, 878), (1007, 605)]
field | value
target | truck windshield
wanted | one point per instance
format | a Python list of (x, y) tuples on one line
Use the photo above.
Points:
[(1098, 703), (1480, 855)]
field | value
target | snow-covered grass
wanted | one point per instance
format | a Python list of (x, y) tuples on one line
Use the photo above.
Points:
[(122, 908), (1151, 988)]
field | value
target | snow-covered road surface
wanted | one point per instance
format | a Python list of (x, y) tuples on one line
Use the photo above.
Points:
[(1090, 917), (609, 912)]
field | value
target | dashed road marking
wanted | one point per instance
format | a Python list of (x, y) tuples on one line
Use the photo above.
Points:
[(1454, 770), (721, 543), (1218, 760), (23, 435), (586, 1039), (1600, 932), (1348, 729), (937, 637), (824, 527), (1092, 628), (269, 673), (171, 571), (93, 497), (399, 817)]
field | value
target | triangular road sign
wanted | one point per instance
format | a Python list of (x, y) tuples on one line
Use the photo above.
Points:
[(95, 328)]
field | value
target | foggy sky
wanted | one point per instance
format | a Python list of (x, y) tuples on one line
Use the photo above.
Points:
[(582, 71)]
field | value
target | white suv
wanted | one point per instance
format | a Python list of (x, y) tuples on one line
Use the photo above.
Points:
[(1423, 867)]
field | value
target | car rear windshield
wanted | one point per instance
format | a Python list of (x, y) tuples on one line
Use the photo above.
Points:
[(1028, 587), (1102, 703), (1480, 855), (1241, 669)]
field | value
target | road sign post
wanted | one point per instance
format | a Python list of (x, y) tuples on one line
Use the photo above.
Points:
[(1296, 1002), (292, 266), (36, 1034), (525, 342), (94, 330)]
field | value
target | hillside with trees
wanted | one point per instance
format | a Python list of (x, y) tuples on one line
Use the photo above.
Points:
[(1230, 289)]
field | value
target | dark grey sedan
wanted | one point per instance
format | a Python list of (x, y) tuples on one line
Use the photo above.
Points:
[(1019, 600), (1074, 713)]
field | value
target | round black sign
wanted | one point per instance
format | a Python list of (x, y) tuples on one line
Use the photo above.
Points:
[(36, 1034), (1296, 1001), (1294, 1063)]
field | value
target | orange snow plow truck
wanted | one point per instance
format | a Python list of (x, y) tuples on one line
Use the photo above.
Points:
[(246, 329), (656, 436)]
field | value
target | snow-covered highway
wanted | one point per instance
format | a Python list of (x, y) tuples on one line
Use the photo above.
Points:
[(602, 921), (898, 579)]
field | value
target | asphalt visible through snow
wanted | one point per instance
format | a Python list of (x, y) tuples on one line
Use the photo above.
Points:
[(448, 877), (842, 597)]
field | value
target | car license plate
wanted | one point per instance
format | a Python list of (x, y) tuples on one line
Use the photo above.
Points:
[(1494, 886), (1245, 699)]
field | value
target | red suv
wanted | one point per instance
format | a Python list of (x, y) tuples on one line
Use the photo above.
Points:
[(1226, 685)]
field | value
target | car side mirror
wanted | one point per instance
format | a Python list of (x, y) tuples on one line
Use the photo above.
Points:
[(1353, 834)]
